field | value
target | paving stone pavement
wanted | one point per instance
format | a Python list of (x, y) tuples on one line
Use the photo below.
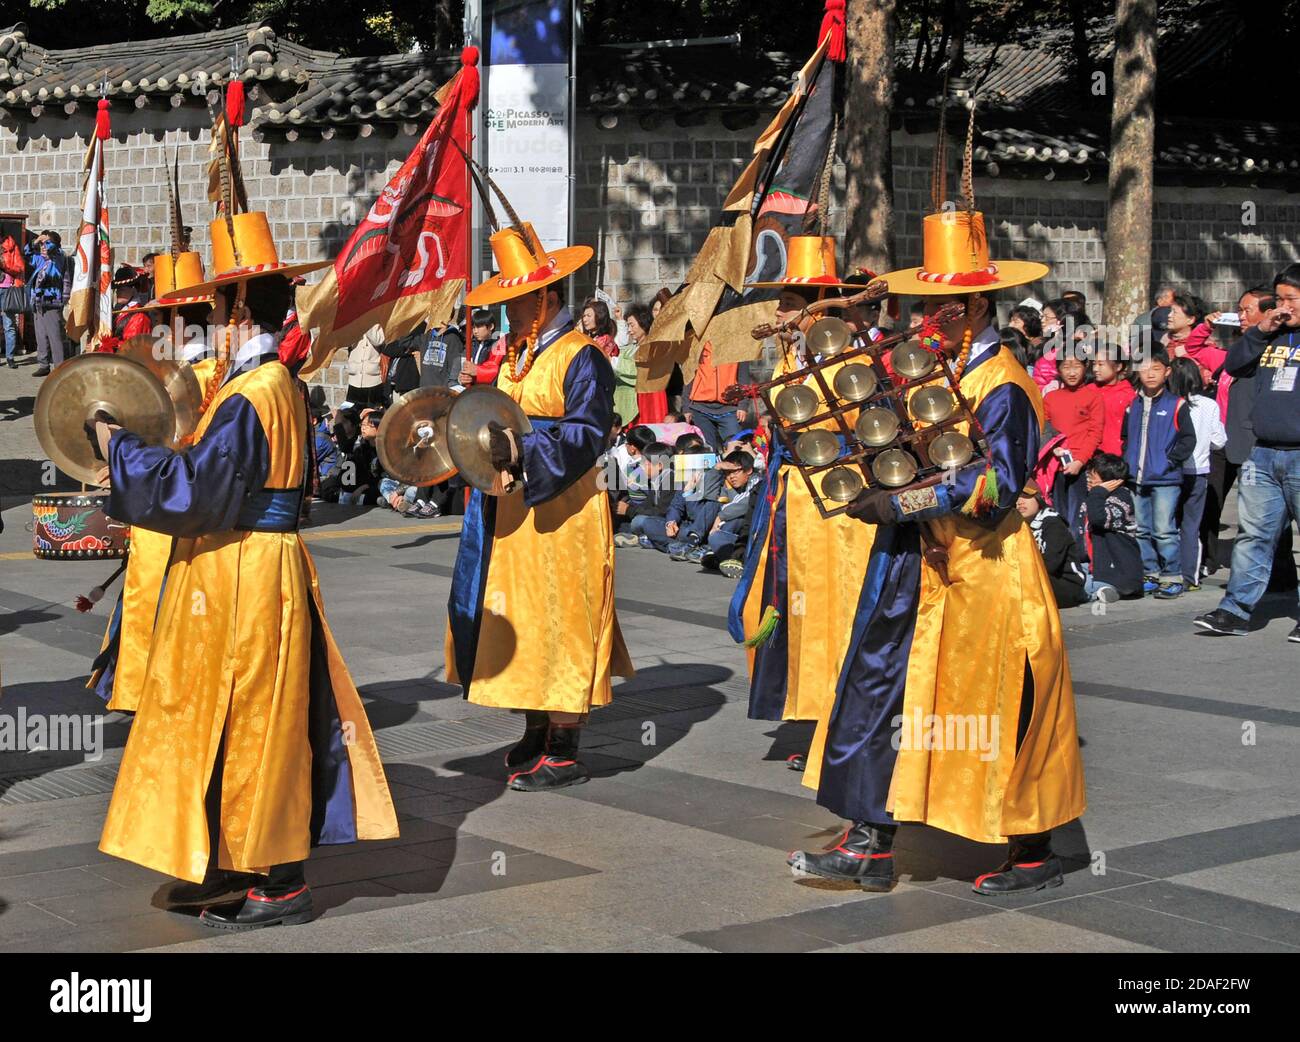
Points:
[(1191, 841)]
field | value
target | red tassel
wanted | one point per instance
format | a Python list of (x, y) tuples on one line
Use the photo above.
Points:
[(469, 77), (102, 129), (235, 103), (833, 26)]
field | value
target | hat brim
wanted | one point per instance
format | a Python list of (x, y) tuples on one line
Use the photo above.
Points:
[(905, 282), (567, 260), (168, 302), (259, 271), (804, 285)]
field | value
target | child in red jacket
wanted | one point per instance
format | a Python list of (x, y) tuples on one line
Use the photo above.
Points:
[(1075, 410), (1111, 381)]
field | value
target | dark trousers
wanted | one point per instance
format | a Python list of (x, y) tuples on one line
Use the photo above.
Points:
[(49, 336), (1191, 507)]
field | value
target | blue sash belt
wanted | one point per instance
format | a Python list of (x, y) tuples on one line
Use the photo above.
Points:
[(541, 423), (271, 510)]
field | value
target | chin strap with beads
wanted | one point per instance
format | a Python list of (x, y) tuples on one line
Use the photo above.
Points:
[(223, 363), (529, 340)]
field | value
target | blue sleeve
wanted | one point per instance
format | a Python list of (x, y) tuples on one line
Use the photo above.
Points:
[(1244, 355), (196, 491), (556, 456), (677, 508), (1011, 428)]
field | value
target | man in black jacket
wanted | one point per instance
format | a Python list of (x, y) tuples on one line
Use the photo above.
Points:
[(1268, 496)]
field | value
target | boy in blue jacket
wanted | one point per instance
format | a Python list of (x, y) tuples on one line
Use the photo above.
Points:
[(1158, 437)]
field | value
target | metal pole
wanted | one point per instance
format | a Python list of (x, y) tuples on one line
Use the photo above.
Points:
[(575, 26)]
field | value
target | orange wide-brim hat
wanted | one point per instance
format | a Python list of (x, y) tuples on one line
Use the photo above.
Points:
[(524, 266), (173, 275), (809, 264), (242, 249), (956, 253)]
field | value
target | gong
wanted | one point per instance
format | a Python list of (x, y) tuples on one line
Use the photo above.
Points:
[(911, 360), (817, 447), (841, 484), (951, 449), (877, 426), (829, 336), (932, 404), (894, 467), (796, 403), (855, 382)]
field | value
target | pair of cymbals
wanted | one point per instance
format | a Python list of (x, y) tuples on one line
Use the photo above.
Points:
[(157, 401), (434, 434)]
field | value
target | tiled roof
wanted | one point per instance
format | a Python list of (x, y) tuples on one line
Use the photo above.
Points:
[(1025, 86)]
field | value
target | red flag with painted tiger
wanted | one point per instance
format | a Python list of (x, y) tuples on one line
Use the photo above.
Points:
[(406, 262), (90, 308)]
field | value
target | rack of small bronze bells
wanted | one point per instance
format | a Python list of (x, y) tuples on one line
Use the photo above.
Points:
[(849, 425)]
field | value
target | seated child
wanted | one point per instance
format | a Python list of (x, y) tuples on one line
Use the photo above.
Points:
[(1112, 531), (1056, 544)]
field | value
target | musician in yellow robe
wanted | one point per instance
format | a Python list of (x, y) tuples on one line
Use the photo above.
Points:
[(955, 707), (806, 567), (119, 668), (531, 622), (250, 743)]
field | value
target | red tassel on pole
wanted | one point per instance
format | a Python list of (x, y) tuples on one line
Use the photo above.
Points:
[(235, 102), (833, 26), (102, 130), (469, 77)]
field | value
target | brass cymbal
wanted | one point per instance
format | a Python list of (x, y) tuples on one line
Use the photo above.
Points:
[(412, 439), (467, 433), (855, 382), (817, 447), (932, 404), (177, 377), (951, 449), (795, 403), (841, 484), (911, 360), (894, 467), (77, 389), (829, 336), (877, 426)]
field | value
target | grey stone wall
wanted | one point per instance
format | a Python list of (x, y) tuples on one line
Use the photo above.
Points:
[(645, 200)]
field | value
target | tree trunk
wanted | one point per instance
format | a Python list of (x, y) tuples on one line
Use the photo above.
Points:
[(868, 156), (1132, 146)]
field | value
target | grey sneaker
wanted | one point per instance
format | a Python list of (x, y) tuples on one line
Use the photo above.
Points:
[(697, 555), (626, 539)]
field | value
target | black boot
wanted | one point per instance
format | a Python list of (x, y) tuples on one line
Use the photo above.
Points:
[(217, 883), (797, 762), (1030, 865), (533, 743), (863, 855), (557, 767)]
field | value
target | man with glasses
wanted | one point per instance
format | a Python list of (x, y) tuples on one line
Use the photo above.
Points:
[(1268, 497)]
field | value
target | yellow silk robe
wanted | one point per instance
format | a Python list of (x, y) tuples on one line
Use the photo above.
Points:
[(547, 636), (826, 559), (141, 585), (230, 667), (969, 650)]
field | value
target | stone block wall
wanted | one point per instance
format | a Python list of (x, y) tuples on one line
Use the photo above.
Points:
[(644, 200)]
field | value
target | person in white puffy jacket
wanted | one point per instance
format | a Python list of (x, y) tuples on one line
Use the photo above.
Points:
[(366, 370), (1185, 381)]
